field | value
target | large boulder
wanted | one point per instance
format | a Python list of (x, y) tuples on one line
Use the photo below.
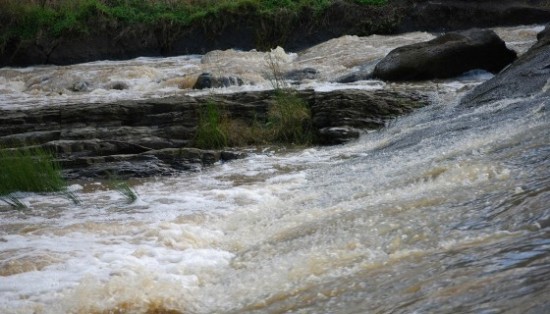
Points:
[(529, 76), (446, 56)]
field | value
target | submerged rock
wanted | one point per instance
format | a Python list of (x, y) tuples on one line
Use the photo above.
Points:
[(117, 85), (364, 72), (340, 115), (338, 135), (446, 56), (207, 80), (80, 86), (302, 74), (166, 161)]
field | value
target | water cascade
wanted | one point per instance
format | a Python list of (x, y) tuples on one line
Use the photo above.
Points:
[(444, 210)]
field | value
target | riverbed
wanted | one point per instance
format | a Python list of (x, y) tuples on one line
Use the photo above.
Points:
[(445, 210)]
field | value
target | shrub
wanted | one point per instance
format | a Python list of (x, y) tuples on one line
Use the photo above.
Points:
[(289, 118)]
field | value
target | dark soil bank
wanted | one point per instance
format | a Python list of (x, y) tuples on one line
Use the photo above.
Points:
[(247, 29)]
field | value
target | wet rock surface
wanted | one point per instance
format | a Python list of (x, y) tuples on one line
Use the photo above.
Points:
[(529, 76), (155, 137), (207, 80), (446, 56)]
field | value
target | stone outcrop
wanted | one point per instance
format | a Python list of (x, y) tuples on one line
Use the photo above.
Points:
[(155, 137), (529, 76), (446, 56), (340, 115)]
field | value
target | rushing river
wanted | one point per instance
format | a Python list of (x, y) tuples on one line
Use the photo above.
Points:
[(446, 210)]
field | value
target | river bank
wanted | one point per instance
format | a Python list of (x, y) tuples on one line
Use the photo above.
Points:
[(100, 36)]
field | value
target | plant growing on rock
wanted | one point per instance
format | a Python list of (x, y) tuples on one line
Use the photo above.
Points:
[(289, 118), (29, 170), (210, 133)]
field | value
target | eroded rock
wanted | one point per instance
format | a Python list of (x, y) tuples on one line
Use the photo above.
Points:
[(155, 136), (446, 56), (207, 80), (527, 77)]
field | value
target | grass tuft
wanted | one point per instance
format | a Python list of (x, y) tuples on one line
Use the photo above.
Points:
[(123, 188), (210, 133), (28, 170), (289, 119)]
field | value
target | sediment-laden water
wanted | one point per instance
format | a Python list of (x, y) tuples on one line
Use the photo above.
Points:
[(444, 211)]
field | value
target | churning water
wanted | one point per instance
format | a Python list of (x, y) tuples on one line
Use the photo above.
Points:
[(445, 211)]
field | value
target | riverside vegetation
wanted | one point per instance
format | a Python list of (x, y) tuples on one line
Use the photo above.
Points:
[(36, 170), (28, 170), (288, 122), (288, 119), (26, 19)]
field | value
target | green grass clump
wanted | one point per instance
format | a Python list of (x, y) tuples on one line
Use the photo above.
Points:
[(28, 170), (289, 119), (288, 122), (210, 131)]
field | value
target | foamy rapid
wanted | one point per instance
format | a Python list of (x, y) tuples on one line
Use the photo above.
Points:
[(439, 212)]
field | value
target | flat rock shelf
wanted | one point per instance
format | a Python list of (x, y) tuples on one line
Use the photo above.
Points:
[(155, 136)]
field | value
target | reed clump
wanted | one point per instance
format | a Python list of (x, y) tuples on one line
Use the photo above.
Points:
[(28, 170), (289, 119), (288, 122), (123, 187), (211, 131)]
